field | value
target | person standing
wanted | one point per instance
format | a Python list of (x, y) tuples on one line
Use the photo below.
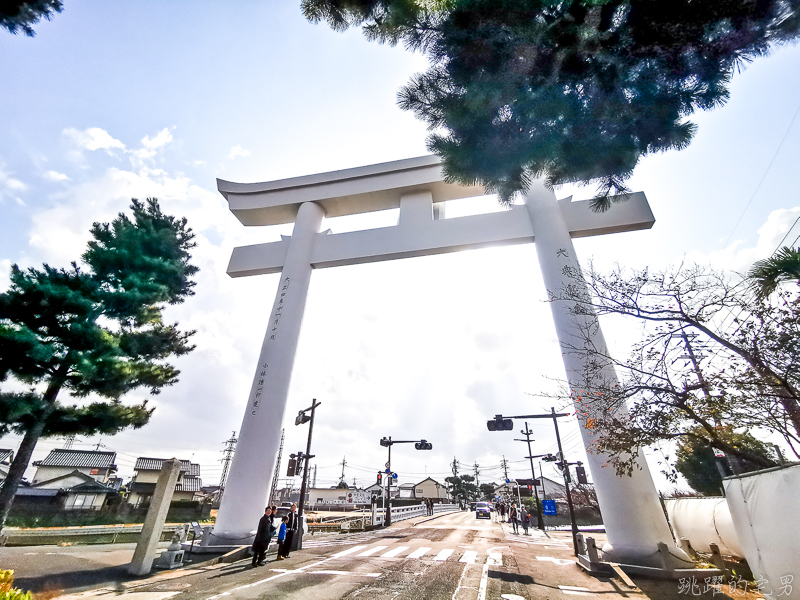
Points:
[(282, 538), (291, 528), (261, 541), (526, 519), (513, 516), (502, 511)]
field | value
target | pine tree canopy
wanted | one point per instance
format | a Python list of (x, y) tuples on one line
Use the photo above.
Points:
[(96, 332), (20, 15), (571, 91)]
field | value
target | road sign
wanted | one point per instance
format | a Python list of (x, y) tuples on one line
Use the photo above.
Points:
[(549, 507), (394, 475)]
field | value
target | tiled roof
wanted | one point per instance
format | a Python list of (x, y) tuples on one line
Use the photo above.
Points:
[(155, 464), (189, 484), (5, 455), (78, 458)]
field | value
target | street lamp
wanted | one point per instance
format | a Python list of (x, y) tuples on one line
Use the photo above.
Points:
[(302, 417), (388, 443)]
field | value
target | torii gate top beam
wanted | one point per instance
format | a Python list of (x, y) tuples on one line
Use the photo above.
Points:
[(340, 193), (414, 185)]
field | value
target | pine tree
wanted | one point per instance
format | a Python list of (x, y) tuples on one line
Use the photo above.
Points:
[(572, 91), (20, 15), (94, 333)]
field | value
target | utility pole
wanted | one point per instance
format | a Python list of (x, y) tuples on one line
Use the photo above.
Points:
[(274, 489), (504, 464), (314, 479), (539, 518), (344, 464), (227, 457), (477, 482), (565, 471), (68, 441)]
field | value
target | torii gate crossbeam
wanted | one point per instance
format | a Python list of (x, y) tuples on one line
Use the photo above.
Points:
[(635, 522)]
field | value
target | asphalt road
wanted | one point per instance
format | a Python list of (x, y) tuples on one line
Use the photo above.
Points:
[(451, 557)]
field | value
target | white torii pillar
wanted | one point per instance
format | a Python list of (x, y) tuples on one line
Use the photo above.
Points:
[(631, 509)]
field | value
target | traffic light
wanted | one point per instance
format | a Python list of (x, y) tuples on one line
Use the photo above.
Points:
[(500, 424), (549, 458), (580, 471), (423, 445), (385, 442), (380, 477), (291, 471)]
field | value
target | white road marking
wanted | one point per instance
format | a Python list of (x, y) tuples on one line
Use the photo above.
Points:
[(419, 552), (348, 551), (344, 573), (572, 590), (494, 558), (394, 552), (469, 557), (372, 551), (559, 561), (444, 554), (484, 582)]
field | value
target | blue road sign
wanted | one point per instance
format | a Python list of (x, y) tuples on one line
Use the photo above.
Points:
[(508, 481), (388, 471), (394, 475), (549, 507)]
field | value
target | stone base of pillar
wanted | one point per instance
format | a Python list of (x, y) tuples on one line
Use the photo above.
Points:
[(645, 556)]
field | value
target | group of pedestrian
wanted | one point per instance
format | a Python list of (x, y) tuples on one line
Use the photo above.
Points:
[(286, 529), (429, 506), (516, 516)]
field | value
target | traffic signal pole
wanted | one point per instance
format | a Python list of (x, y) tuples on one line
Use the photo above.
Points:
[(389, 442), (297, 539)]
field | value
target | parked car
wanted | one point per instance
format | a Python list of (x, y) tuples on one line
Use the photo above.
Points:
[(482, 510), (472, 505)]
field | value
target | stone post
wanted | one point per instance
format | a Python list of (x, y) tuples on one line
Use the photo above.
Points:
[(145, 552), (632, 514)]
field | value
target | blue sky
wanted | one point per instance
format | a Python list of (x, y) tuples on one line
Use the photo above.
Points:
[(113, 100)]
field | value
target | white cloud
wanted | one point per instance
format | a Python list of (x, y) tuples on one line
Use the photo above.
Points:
[(55, 176), (94, 138), (238, 151), (162, 138), (10, 183)]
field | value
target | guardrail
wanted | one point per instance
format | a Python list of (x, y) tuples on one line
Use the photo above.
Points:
[(401, 513), (89, 534)]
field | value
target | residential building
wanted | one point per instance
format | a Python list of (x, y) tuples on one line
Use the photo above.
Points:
[(94, 463), (6, 458), (77, 491), (430, 488), (338, 496), (147, 470), (406, 490)]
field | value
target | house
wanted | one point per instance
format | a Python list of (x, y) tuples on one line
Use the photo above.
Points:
[(6, 458), (76, 490), (380, 490), (406, 490), (147, 470), (552, 489), (94, 463), (430, 488)]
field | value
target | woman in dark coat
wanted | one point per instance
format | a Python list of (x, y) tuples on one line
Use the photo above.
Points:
[(261, 541)]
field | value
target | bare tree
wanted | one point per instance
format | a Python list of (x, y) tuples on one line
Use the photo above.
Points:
[(713, 358)]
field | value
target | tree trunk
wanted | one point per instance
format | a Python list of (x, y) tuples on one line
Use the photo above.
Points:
[(17, 470)]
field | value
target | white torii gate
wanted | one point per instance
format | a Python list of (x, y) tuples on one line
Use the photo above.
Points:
[(634, 520)]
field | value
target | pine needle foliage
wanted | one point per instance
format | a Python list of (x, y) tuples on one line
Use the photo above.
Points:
[(96, 332), (565, 90), (20, 15)]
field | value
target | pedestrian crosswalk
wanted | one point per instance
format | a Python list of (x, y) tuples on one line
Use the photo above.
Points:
[(421, 552)]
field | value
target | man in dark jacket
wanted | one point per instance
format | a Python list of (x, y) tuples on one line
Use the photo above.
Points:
[(261, 541)]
